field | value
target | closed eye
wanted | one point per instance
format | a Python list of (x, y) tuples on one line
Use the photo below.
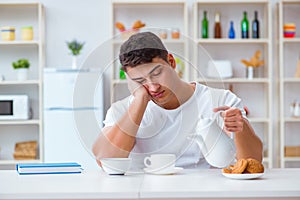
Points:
[(157, 72), (141, 81)]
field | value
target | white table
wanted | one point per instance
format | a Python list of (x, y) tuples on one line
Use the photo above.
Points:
[(189, 184)]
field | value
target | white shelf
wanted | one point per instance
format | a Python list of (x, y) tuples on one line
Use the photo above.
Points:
[(20, 122), (235, 80), (292, 159), (136, 2), (291, 80), (259, 120), (20, 42), (218, 49), (288, 11), (27, 82), (116, 82), (14, 162), (232, 1), (292, 119), (291, 40), (154, 14), (232, 41), (13, 131), (166, 41)]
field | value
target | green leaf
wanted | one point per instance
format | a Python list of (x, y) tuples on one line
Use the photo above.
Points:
[(21, 63)]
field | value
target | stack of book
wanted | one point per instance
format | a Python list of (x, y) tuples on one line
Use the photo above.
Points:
[(49, 168)]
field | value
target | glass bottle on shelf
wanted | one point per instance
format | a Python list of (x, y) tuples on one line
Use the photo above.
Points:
[(231, 33), (245, 26), (218, 31), (255, 26), (205, 25)]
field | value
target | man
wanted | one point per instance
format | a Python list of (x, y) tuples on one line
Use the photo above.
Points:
[(163, 110)]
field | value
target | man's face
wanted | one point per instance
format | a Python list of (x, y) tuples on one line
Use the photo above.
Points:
[(158, 77)]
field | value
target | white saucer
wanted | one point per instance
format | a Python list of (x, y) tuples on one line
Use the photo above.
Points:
[(243, 176), (163, 172)]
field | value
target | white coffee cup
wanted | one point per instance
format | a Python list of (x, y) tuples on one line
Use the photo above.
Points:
[(160, 161)]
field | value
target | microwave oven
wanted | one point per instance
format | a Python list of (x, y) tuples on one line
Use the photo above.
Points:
[(14, 107)]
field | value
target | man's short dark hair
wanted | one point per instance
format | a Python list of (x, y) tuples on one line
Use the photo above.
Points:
[(141, 48)]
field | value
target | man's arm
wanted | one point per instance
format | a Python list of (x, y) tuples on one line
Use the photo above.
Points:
[(119, 139), (248, 144)]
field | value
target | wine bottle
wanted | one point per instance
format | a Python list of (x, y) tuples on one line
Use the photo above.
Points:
[(231, 33), (255, 26), (218, 31), (204, 25), (245, 26)]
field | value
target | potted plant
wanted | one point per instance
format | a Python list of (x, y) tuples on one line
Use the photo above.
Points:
[(75, 47), (22, 66), (253, 64)]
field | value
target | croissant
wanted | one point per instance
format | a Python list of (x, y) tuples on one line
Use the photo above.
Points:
[(120, 26), (138, 24)]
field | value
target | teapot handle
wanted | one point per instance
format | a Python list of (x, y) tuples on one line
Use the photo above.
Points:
[(231, 134)]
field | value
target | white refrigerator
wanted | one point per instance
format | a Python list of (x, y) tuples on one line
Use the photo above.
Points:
[(73, 114)]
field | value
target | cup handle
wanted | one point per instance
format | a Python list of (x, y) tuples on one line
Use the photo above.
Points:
[(147, 161)]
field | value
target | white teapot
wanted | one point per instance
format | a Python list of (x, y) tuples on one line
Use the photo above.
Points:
[(217, 147)]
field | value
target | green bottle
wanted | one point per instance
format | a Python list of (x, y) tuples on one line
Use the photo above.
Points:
[(204, 25), (245, 26)]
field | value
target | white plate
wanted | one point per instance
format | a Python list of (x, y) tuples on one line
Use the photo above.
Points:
[(243, 176), (163, 172)]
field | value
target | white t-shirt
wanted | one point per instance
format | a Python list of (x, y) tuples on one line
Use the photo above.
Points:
[(167, 131)]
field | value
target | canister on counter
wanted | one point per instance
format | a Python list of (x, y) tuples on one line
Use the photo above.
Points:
[(8, 33), (175, 33), (163, 34), (27, 33)]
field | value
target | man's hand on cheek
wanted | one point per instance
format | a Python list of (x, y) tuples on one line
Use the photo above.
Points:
[(138, 90)]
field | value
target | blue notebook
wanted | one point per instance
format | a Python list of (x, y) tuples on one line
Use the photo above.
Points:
[(49, 168)]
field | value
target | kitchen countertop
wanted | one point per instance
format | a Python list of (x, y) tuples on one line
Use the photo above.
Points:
[(187, 184)]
